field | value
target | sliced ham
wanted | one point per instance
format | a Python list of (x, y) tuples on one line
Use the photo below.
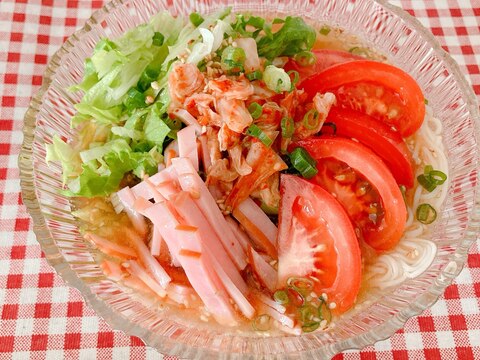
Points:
[(188, 119), (190, 181), (242, 237), (208, 286), (156, 242), (187, 145), (188, 209), (184, 243), (161, 178), (150, 263), (127, 198), (272, 303), (264, 271), (112, 270), (259, 219)]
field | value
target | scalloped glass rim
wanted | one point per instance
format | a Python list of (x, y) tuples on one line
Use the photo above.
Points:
[(51, 219)]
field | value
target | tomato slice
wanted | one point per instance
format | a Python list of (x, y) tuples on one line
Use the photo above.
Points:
[(324, 59), (380, 90), (379, 137), (316, 239), (384, 230)]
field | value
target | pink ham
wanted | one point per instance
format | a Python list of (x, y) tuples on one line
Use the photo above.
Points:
[(264, 271), (188, 119), (242, 237), (183, 243), (206, 283), (156, 242), (272, 303), (112, 270), (150, 263), (188, 209), (134, 268), (143, 189), (110, 247), (187, 145), (190, 181), (259, 219), (281, 318), (127, 198)]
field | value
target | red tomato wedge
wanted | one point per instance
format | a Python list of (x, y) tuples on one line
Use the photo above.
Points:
[(316, 239), (382, 91), (324, 59), (386, 228), (379, 137)]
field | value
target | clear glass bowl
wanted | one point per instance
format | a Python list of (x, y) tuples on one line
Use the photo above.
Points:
[(387, 28)]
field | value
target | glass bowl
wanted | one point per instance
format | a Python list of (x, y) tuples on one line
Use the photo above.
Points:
[(389, 30)]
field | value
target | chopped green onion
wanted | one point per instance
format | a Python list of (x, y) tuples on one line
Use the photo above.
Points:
[(255, 109), (278, 21), (256, 75), (314, 325), (431, 178), (288, 127), (196, 19), (311, 120), (296, 77), (148, 76), (303, 162), (324, 312), (233, 58), (307, 313), (300, 283), (135, 99), (256, 21), (305, 58), (255, 131), (426, 214), (332, 125), (281, 297), (158, 39), (261, 322), (325, 30), (438, 176), (277, 79)]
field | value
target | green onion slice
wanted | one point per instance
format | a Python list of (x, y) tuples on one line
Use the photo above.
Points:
[(255, 109), (281, 297), (262, 322), (312, 326), (303, 162), (288, 127), (308, 313), (305, 58), (426, 214), (233, 58), (158, 39), (256, 75), (255, 131), (438, 176), (196, 19), (295, 297), (296, 77), (431, 178), (311, 119), (426, 182)]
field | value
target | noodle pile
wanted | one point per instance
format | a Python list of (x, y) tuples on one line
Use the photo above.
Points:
[(414, 253)]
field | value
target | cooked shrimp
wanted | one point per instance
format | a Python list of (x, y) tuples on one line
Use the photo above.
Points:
[(322, 103), (261, 92), (220, 171), (229, 89), (201, 104), (183, 81), (235, 114)]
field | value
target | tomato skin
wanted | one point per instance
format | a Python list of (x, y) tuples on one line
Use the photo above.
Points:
[(324, 59), (350, 82), (379, 137), (361, 159), (310, 217)]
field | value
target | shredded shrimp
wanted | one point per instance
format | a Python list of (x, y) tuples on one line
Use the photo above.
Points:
[(238, 160), (229, 89)]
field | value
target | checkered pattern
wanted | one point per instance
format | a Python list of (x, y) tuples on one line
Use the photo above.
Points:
[(40, 317)]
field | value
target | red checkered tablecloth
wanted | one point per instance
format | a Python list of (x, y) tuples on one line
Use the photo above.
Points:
[(41, 317)]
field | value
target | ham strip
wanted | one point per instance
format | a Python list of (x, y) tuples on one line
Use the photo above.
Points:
[(264, 271), (127, 198), (187, 145), (190, 181), (134, 268)]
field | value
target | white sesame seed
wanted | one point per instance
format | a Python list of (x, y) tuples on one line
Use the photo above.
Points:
[(155, 85), (149, 99), (332, 305), (324, 296), (234, 44)]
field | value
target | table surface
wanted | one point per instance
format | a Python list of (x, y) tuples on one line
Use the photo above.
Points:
[(43, 318)]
